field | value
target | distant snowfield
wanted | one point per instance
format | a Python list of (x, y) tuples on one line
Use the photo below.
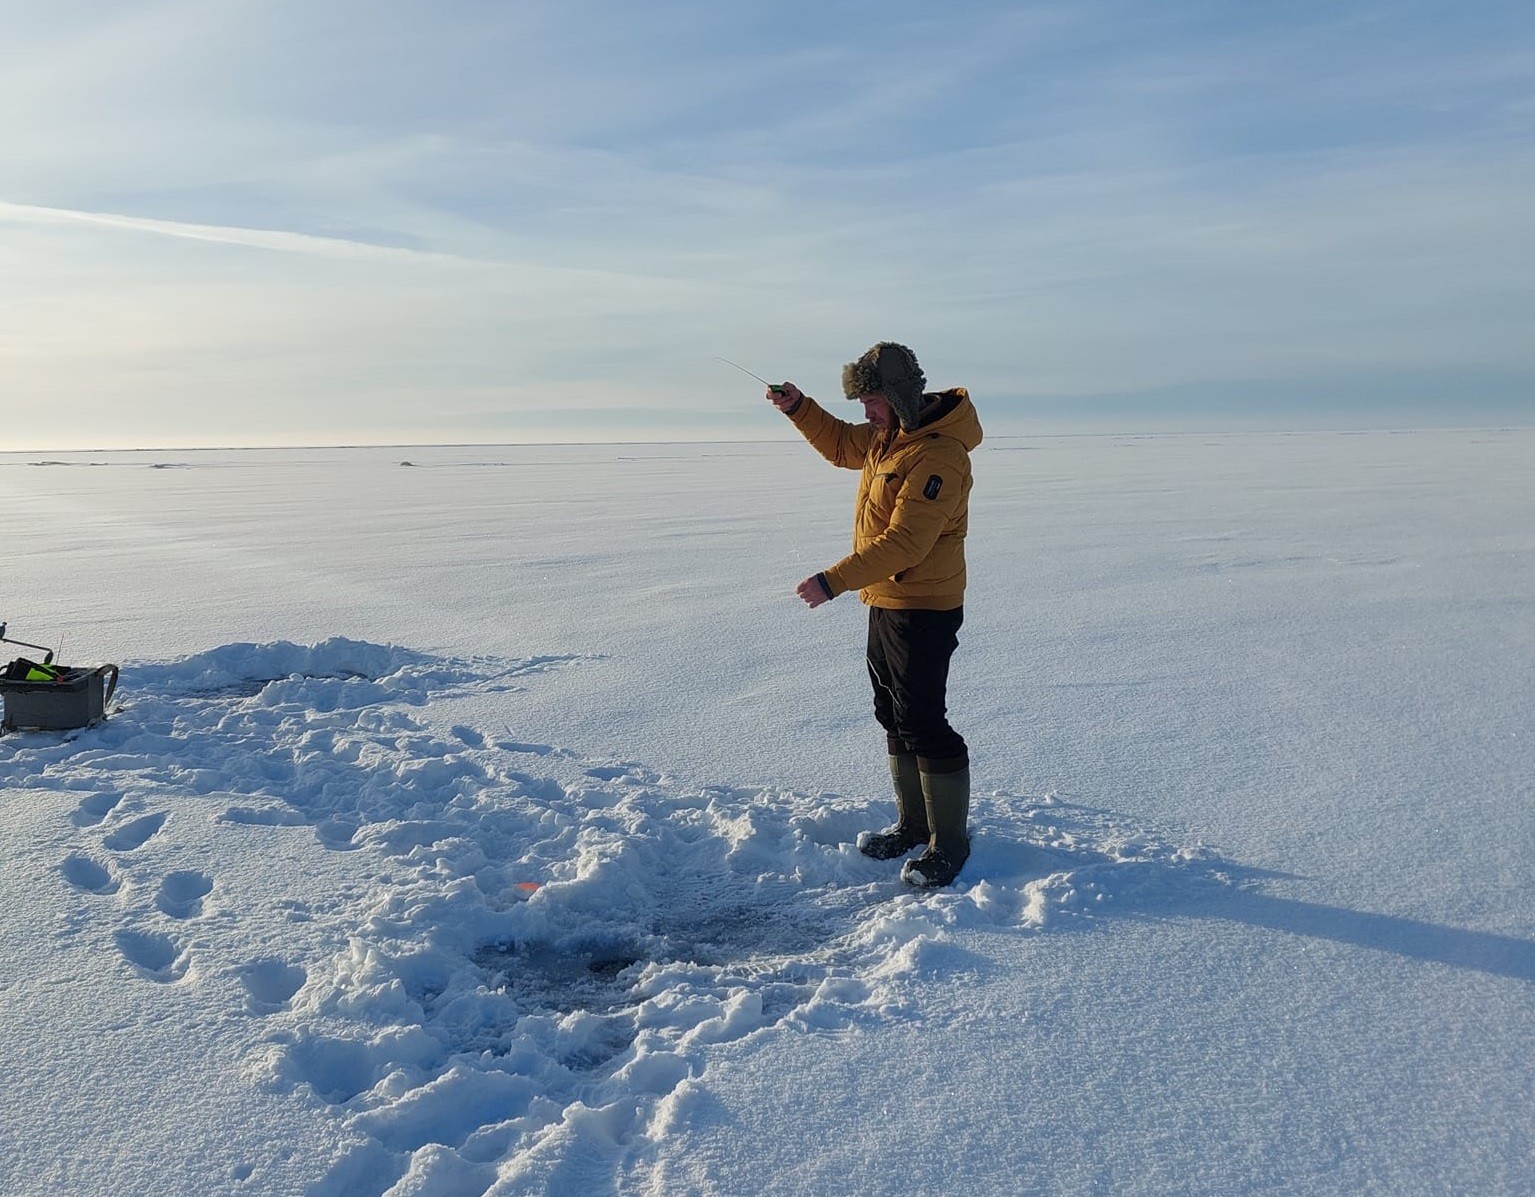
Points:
[(485, 825)]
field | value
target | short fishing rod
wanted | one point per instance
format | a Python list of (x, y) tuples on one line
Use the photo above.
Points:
[(777, 390)]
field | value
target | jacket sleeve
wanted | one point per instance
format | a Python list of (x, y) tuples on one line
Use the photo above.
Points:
[(841, 443), (930, 495)]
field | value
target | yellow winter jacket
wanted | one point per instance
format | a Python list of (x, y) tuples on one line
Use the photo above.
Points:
[(913, 503)]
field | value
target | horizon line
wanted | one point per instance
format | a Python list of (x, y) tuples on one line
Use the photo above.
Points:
[(1010, 436)]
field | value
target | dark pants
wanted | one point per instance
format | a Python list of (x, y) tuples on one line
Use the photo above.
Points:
[(909, 655)]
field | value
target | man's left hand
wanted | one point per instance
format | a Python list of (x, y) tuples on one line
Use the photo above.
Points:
[(812, 591)]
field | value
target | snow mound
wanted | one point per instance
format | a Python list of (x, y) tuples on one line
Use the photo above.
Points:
[(241, 666), (549, 947), (388, 671)]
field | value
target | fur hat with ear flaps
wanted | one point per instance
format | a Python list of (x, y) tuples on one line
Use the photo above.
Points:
[(890, 370)]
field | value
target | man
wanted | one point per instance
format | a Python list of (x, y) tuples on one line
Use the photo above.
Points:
[(908, 566)]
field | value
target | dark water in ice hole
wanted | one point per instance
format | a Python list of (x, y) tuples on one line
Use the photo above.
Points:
[(601, 971)]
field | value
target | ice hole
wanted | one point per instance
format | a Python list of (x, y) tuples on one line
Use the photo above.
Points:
[(770, 945), (564, 978)]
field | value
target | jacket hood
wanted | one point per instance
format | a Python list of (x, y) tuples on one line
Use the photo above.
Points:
[(960, 422)]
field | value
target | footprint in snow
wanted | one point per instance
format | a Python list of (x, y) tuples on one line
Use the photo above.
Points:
[(530, 749), (263, 816), (94, 809), (154, 956), (92, 876), (338, 834), (469, 736), (271, 984), (181, 894), (336, 1069), (135, 834), (629, 773)]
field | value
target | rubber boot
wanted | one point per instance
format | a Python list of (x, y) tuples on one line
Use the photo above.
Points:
[(911, 828), (948, 815)]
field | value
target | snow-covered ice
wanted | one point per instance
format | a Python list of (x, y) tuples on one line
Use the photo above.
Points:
[(486, 825)]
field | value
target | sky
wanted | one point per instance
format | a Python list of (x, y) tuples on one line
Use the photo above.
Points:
[(255, 222)]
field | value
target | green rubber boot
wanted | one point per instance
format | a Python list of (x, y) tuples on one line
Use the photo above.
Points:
[(948, 814), (911, 827)]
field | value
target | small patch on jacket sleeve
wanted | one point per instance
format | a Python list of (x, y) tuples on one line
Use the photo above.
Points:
[(934, 485)]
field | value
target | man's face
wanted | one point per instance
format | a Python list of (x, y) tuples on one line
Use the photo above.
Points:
[(876, 409)]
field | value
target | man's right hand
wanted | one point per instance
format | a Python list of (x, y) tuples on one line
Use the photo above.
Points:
[(785, 398)]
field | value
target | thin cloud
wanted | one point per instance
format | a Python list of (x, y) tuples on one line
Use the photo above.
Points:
[(274, 239)]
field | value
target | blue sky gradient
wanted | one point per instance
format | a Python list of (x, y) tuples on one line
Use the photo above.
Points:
[(398, 221)]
